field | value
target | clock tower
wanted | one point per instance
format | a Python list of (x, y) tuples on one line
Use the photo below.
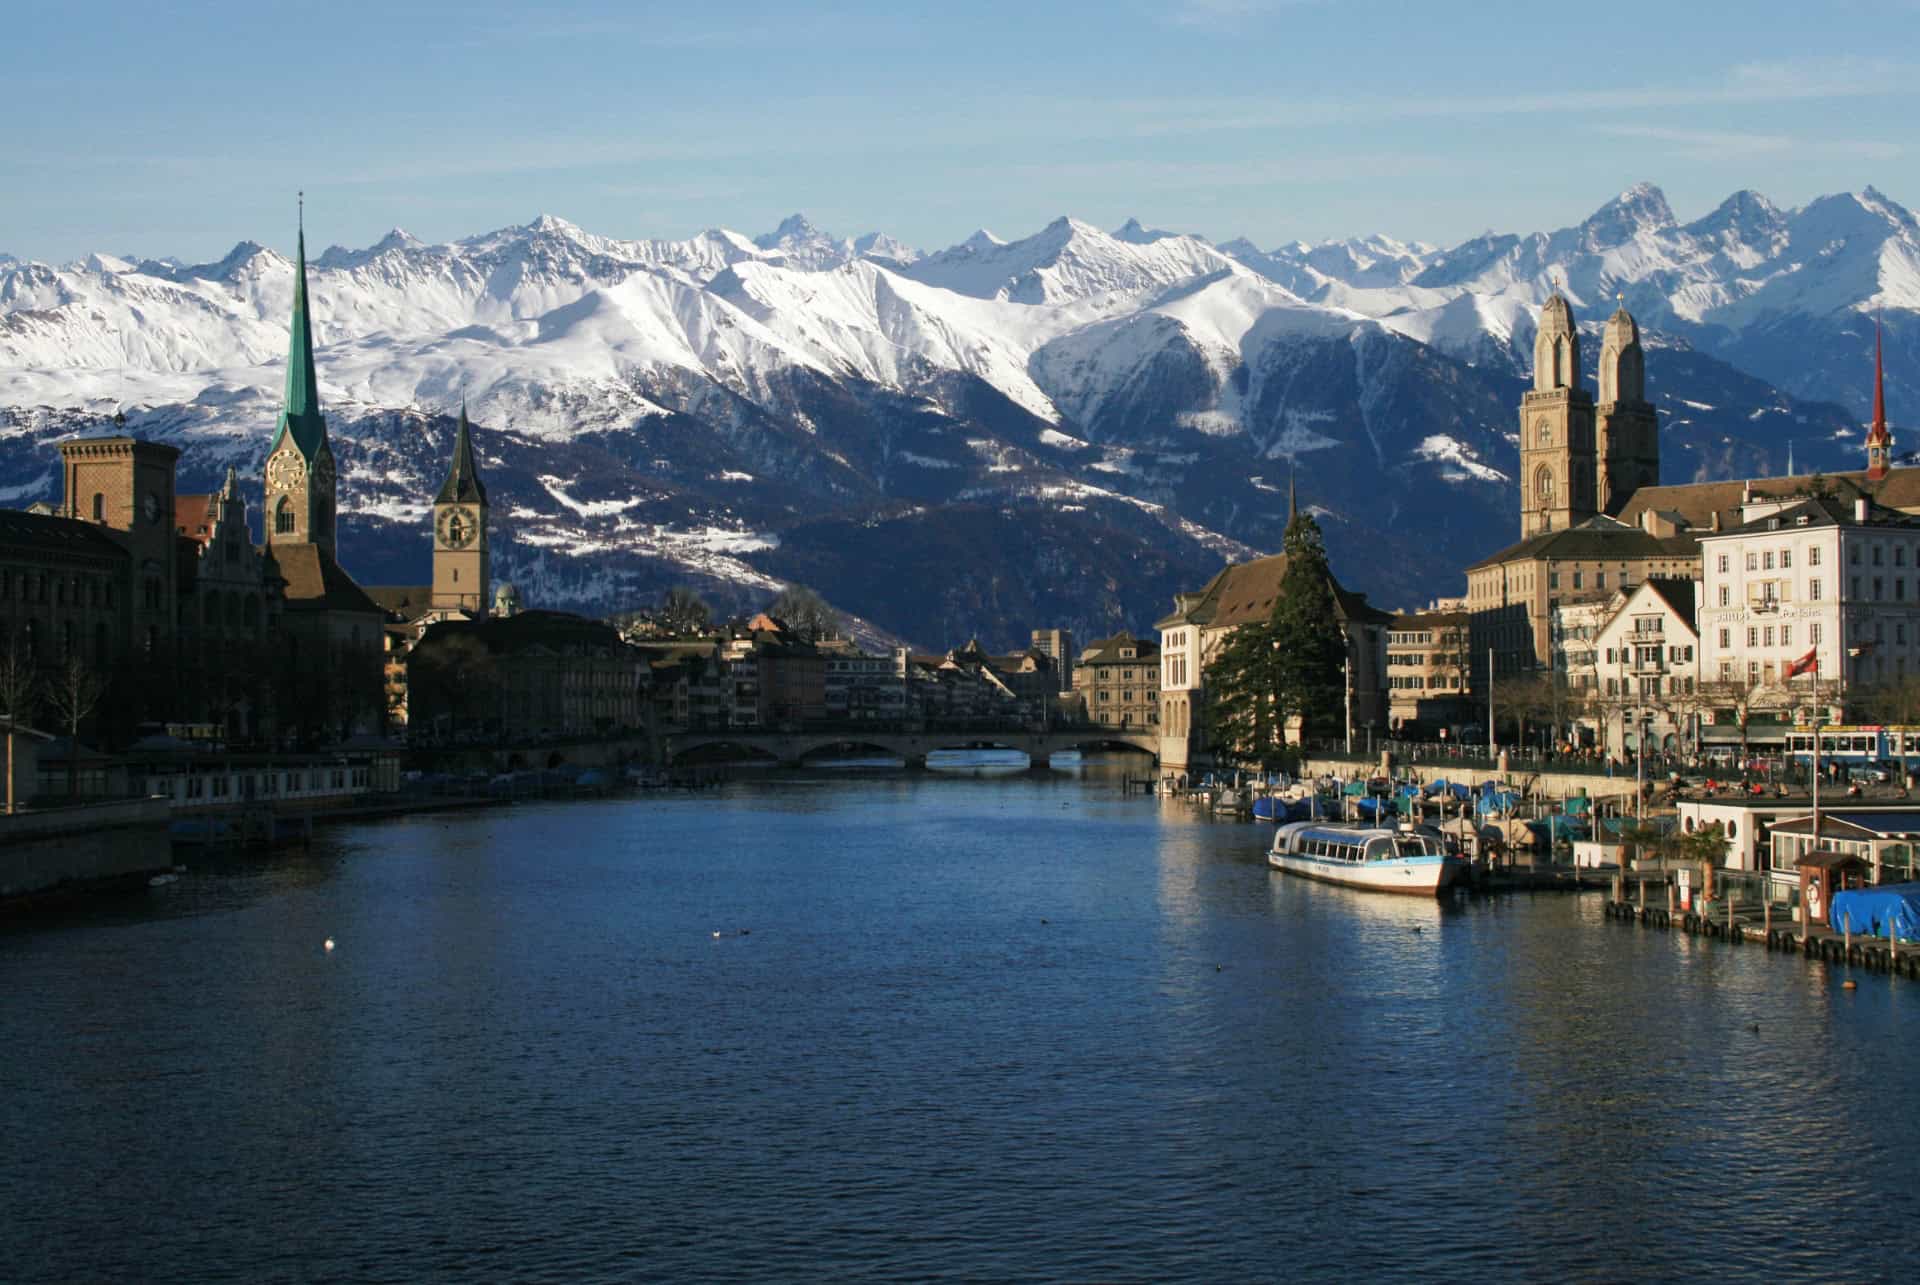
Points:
[(1557, 465), (460, 562), (300, 470)]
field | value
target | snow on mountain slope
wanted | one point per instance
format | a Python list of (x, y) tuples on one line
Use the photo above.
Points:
[(1067, 261), (715, 391)]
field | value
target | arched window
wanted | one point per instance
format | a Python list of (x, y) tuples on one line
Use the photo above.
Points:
[(99, 507), (283, 517), (1543, 485)]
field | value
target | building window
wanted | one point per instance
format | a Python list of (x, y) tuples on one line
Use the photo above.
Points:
[(1599, 579), (1726, 639), (1786, 559), (1753, 636), (1813, 556), (1813, 589), (1576, 579), (1723, 564), (1753, 561), (1767, 636), (1876, 555), (1786, 635), (1766, 560), (99, 507), (283, 517), (1726, 595), (1853, 555), (1813, 633)]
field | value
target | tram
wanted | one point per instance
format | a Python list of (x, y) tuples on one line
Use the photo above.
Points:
[(1853, 746)]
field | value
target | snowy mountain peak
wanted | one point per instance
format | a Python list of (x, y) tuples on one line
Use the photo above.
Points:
[(1641, 208), (245, 256), (338, 256), (795, 228), (980, 240), (1133, 232)]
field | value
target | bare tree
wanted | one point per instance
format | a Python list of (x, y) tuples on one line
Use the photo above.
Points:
[(75, 690), (19, 687), (805, 612), (1738, 700)]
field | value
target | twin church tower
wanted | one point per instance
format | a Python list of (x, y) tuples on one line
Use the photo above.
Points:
[(1579, 459), (301, 478)]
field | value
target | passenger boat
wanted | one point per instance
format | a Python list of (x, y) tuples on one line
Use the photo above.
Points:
[(1386, 860)]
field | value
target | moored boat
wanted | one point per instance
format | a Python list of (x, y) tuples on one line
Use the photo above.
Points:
[(1376, 857)]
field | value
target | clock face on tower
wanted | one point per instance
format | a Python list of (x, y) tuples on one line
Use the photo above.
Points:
[(323, 473), (285, 470), (459, 525)]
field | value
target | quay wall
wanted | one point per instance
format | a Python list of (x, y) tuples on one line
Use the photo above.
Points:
[(89, 843), (1545, 784)]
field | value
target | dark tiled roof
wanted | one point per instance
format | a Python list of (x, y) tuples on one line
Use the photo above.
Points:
[(1431, 620), (45, 534), (1676, 593), (407, 601), (1594, 540), (1822, 511), (1245, 591), (529, 629), (1698, 502), (1107, 650), (315, 582), (192, 516)]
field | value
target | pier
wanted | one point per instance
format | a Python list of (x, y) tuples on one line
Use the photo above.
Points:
[(1754, 924)]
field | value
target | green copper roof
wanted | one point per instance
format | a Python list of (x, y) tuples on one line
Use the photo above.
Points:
[(300, 410), (463, 475)]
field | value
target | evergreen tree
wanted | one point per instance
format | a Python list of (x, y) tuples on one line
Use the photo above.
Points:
[(1285, 667), (1309, 646)]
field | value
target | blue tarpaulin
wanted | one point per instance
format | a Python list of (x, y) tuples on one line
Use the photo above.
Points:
[(1872, 910)]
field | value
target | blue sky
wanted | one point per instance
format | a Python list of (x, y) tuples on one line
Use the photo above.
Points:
[(180, 129)]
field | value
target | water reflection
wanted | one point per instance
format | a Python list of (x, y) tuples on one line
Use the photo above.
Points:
[(1012, 1028)]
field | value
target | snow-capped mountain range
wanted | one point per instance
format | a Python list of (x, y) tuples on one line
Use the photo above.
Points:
[(1061, 429)]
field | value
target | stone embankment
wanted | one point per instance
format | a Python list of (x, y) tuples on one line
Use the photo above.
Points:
[(81, 846), (1536, 782)]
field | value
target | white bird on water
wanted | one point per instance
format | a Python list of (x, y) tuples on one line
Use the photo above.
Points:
[(329, 943)]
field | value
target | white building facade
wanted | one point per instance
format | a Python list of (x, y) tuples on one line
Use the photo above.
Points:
[(1646, 669), (1811, 580)]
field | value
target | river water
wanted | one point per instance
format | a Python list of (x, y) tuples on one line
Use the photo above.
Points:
[(1008, 1029)]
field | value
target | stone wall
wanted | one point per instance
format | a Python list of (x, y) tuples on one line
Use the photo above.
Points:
[(99, 841)]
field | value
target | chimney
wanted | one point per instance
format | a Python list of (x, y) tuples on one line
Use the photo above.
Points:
[(1860, 509), (1716, 519)]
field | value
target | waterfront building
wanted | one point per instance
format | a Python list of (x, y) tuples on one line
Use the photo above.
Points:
[(167, 597), (1623, 528), (1647, 659), (778, 679), (861, 687), (1809, 599), (1118, 679), (1429, 670), (1244, 593), (535, 675), (1057, 646)]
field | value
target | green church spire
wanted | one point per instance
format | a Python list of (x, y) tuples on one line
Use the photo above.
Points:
[(463, 484), (300, 410)]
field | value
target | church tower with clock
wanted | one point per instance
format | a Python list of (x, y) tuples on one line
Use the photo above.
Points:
[(1558, 472), (300, 469), (460, 564)]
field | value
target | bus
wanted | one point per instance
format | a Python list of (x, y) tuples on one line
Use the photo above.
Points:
[(1854, 746)]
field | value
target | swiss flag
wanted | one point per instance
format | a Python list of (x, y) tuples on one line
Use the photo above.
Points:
[(1807, 664)]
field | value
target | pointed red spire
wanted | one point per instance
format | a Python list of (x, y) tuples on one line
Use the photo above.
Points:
[(1879, 386), (1878, 442)]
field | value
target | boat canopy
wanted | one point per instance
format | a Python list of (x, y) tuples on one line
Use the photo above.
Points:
[(1872, 911)]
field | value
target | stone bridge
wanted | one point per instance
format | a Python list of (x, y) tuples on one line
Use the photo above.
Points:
[(793, 749)]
